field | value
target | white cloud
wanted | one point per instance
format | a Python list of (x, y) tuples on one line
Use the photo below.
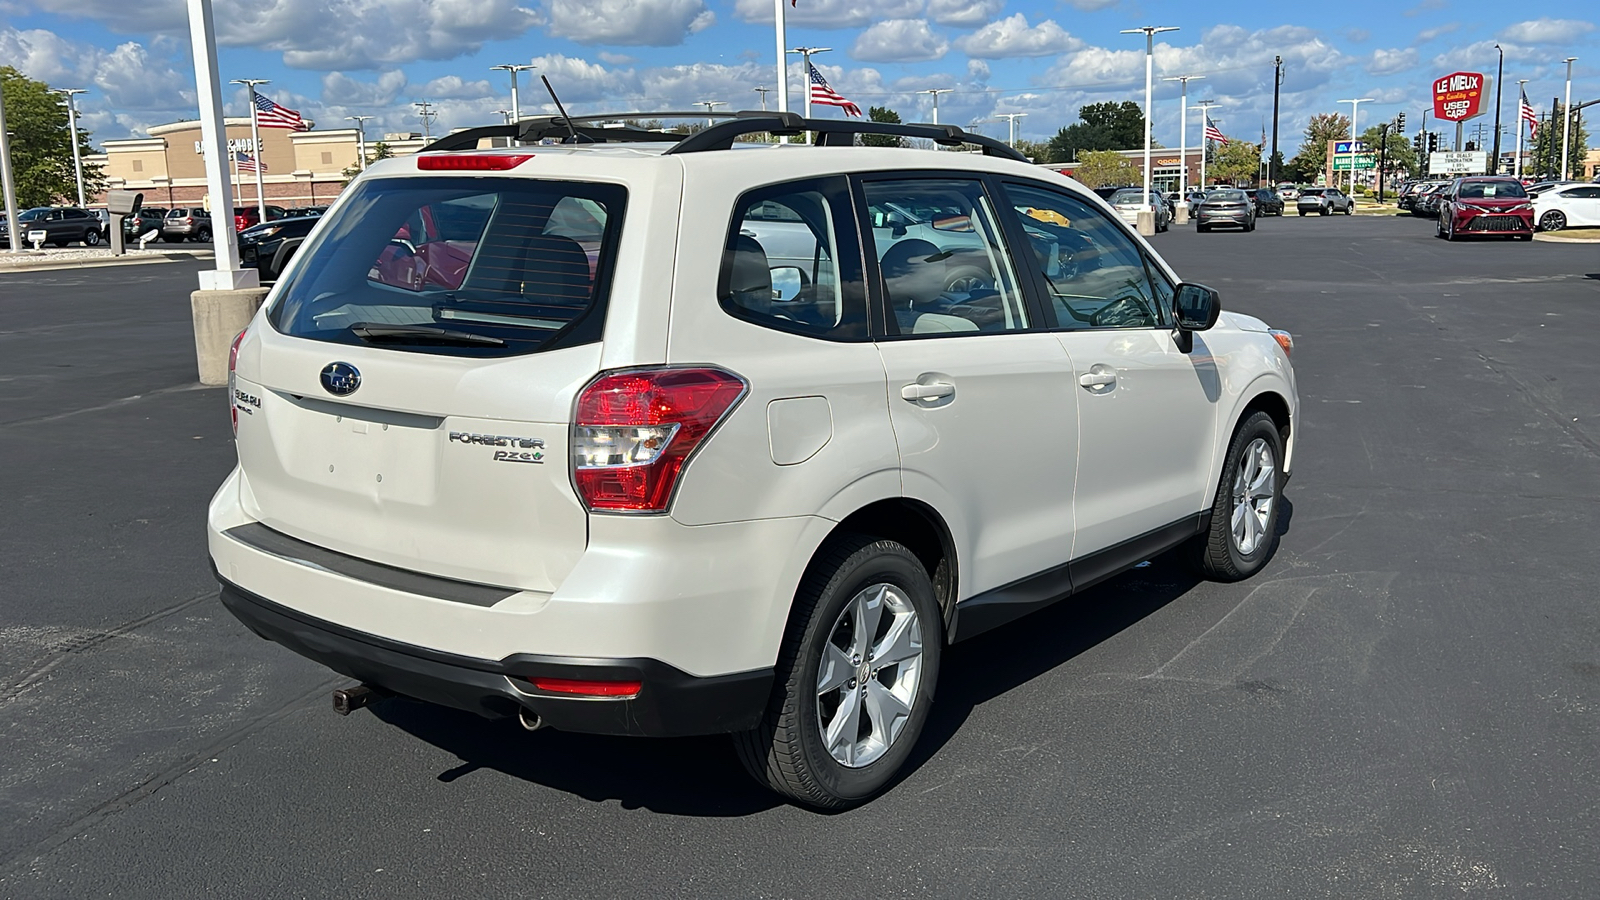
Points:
[(899, 40), (129, 87), (655, 23), (830, 13), (369, 34), (1546, 31), (1390, 62), (1428, 34), (1011, 37), (453, 87), (963, 13), (339, 89), (1091, 5), (616, 59)]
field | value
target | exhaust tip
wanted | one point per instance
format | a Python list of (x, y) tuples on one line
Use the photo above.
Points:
[(530, 720)]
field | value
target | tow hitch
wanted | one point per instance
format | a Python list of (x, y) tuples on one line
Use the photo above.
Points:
[(348, 700)]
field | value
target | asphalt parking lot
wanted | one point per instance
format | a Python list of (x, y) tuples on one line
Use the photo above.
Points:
[(1405, 703)]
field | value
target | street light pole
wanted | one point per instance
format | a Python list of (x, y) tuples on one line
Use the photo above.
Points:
[(710, 106), (1499, 73), (1205, 120), (228, 275), (516, 103), (255, 141), (1566, 117), (1354, 106), (1149, 32), (763, 91), (779, 14), (1012, 119), (7, 188), (1183, 132), (936, 92), (361, 137), (1277, 82), (805, 69), (72, 125)]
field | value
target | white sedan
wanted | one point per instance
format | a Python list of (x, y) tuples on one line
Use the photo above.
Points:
[(1567, 206)]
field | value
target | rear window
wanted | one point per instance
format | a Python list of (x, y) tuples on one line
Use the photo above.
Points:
[(1228, 196), (1311, 192), (458, 266)]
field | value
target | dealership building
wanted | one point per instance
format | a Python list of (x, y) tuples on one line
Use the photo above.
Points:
[(302, 168)]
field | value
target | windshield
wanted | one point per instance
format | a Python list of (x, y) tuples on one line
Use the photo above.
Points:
[(465, 266), (1121, 198), (31, 215), (1491, 190)]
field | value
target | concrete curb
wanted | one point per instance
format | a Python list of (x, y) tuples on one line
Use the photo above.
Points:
[(1558, 239), (46, 265)]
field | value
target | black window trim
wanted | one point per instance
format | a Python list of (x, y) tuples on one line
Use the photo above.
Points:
[(1037, 278), (848, 253), (1038, 317)]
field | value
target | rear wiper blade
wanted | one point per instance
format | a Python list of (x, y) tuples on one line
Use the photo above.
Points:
[(369, 331)]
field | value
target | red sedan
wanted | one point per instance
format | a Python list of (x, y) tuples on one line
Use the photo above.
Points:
[(1485, 205)]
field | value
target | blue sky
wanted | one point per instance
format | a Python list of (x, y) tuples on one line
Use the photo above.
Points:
[(335, 58)]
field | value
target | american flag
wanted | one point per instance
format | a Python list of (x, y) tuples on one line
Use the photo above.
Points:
[(1529, 116), (824, 94), (246, 163), (1213, 133), (271, 115)]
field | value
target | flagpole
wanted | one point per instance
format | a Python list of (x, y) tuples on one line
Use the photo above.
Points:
[(1522, 103), (255, 138)]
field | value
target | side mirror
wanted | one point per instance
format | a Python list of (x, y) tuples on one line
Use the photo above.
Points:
[(1196, 306), (786, 283)]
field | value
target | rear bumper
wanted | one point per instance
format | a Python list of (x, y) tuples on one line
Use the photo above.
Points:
[(670, 702)]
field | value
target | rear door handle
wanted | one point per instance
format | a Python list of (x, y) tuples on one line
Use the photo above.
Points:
[(936, 391)]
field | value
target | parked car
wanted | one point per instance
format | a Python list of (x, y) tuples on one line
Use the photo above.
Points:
[(245, 216), (62, 225), (268, 247), (1195, 198), (148, 218), (300, 212), (1567, 206), (1289, 191), (1414, 191), (500, 451), (187, 223), (1481, 205), (1265, 201), (1129, 202), (1226, 208), (1540, 187), (1322, 201), (1426, 203)]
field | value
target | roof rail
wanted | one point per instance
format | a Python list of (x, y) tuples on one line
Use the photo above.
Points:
[(721, 136)]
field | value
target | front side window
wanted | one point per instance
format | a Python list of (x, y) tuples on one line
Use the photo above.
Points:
[(459, 266), (782, 267), (1094, 272), (943, 265)]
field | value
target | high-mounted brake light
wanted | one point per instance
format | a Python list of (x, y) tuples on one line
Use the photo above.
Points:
[(634, 431), (471, 162), (233, 363), (586, 688)]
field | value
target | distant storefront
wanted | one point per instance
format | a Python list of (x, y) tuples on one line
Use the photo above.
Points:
[(302, 168)]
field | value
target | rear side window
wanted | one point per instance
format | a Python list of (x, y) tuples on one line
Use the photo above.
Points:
[(459, 266), (787, 263)]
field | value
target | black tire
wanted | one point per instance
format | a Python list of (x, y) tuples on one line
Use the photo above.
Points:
[(1215, 553), (204, 236), (1553, 220), (91, 239), (786, 751), (1323, 211), (1302, 213), (1349, 209)]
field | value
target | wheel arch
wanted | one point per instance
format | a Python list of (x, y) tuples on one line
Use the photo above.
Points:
[(1270, 398), (917, 526)]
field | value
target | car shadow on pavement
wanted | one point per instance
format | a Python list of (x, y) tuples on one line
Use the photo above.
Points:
[(702, 776)]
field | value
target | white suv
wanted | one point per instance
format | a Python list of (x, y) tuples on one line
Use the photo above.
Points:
[(706, 439)]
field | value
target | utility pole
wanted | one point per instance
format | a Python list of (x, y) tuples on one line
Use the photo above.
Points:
[(1499, 72), (805, 69), (1011, 118), (72, 125), (7, 188), (1566, 121), (763, 91), (1183, 137), (428, 116), (1277, 82), (255, 141), (1354, 106), (710, 106), (1149, 32), (936, 92), (361, 137)]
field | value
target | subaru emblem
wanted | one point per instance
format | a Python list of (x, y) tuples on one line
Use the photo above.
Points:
[(340, 378)]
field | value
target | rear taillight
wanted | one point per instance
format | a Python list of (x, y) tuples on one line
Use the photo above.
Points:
[(233, 363), (634, 431)]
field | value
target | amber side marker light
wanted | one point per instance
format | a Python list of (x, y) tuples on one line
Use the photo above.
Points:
[(584, 688), (471, 162), (1284, 339)]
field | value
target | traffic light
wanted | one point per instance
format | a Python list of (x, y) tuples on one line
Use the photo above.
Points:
[(1400, 124), (1419, 142), (1433, 142), (1471, 146)]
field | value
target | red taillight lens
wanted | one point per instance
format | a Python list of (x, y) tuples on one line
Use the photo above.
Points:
[(587, 688), (471, 162), (233, 363), (633, 432)]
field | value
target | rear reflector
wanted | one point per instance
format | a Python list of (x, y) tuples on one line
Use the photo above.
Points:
[(471, 162), (587, 688)]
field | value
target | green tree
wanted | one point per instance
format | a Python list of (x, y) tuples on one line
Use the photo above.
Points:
[(1546, 150), (1313, 156), (888, 116), (1034, 150), (380, 150), (41, 144), (1102, 126), (1236, 161), (1102, 168), (1399, 157)]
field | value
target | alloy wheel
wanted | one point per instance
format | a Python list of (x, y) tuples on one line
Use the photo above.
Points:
[(1254, 493), (1553, 220), (868, 676)]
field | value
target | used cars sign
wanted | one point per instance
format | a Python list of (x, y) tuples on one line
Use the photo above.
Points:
[(1460, 96)]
